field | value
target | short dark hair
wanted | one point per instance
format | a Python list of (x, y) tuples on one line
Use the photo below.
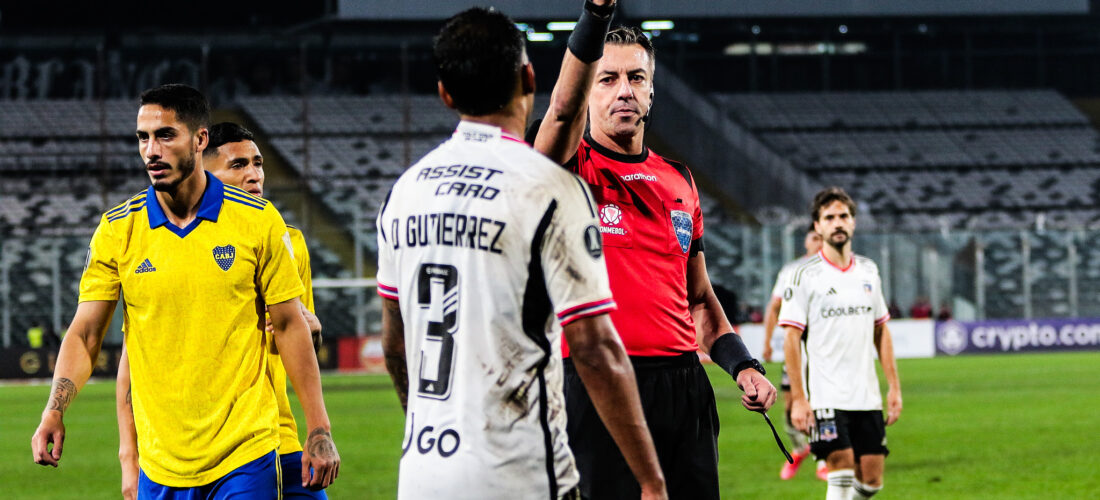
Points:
[(811, 228), (630, 35), (226, 133), (478, 55), (190, 105), (827, 196)]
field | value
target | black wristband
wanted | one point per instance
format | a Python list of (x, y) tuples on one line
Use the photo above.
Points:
[(586, 41), (604, 11), (730, 353)]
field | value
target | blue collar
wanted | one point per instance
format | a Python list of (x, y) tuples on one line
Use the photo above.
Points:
[(209, 207)]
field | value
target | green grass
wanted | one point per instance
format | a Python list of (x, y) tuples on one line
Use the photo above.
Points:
[(990, 427)]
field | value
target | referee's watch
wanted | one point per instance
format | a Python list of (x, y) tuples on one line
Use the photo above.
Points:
[(752, 363)]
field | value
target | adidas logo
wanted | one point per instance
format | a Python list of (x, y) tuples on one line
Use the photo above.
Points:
[(832, 291), (145, 267)]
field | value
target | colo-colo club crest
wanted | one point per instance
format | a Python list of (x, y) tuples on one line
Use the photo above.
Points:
[(681, 223), (224, 256)]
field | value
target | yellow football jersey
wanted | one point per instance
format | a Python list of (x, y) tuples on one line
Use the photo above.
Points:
[(193, 315), (288, 428)]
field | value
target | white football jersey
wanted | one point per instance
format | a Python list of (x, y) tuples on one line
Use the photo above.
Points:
[(784, 275), (777, 292), (482, 241), (838, 310)]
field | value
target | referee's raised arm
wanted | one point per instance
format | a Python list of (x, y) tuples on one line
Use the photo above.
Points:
[(560, 132)]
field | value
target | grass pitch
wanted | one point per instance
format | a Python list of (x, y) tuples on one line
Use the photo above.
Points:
[(998, 426)]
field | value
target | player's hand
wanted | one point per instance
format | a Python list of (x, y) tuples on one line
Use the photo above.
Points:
[(50, 430), (129, 478), (893, 406), (267, 322), (802, 417), (603, 2), (320, 460), (768, 352), (759, 393)]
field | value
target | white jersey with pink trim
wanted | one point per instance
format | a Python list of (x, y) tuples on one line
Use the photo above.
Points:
[(489, 247), (839, 309), (784, 275)]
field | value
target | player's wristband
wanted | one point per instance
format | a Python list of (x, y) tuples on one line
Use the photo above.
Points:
[(730, 353), (586, 41)]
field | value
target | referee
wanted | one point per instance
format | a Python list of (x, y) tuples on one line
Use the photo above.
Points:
[(652, 227)]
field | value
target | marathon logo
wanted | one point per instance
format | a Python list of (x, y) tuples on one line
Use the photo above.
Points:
[(837, 312), (639, 177)]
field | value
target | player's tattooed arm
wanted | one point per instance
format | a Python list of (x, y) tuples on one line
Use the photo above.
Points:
[(319, 443), (75, 362), (393, 347), (62, 393), (321, 462)]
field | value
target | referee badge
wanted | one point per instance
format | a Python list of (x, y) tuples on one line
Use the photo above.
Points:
[(224, 256), (681, 223)]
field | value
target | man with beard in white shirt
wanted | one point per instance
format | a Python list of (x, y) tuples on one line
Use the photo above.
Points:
[(834, 305)]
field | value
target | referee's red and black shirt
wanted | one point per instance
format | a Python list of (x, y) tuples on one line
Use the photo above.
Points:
[(651, 224)]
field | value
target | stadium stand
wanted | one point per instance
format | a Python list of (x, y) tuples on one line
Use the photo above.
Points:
[(917, 160), (1028, 150), (357, 146), (388, 114), (948, 160)]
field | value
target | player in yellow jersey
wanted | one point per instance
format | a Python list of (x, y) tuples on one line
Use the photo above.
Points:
[(194, 261), (233, 157)]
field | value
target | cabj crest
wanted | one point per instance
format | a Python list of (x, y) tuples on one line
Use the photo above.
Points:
[(225, 256)]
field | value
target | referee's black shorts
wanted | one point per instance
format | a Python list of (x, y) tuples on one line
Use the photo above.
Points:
[(679, 407)]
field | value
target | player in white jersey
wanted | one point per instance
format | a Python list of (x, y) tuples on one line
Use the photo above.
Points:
[(834, 303), (800, 447), (485, 247)]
